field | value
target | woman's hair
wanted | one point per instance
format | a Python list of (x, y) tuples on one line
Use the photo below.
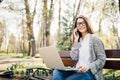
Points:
[(88, 25)]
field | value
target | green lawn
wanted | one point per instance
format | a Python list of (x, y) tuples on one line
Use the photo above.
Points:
[(14, 55)]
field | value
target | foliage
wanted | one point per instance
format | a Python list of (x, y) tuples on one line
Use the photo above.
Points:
[(111, 14), (19, 69), (64, 42), (64, 38), (111, 74)]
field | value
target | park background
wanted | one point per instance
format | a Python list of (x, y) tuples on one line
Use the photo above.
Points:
[(27, 25)]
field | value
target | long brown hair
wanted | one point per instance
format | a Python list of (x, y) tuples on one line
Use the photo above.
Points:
[(88, 25)]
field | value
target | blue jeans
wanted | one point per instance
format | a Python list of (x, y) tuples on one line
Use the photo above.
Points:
[(72, 75)]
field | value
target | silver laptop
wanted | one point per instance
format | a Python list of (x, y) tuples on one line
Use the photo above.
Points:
[(52, 58)]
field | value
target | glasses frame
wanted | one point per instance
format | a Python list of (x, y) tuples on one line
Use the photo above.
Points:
[(81, 24)]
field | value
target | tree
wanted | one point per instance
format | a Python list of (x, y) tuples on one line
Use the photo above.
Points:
[(110, 12), (47, 15), (49, 20), (30, 18), (59, 18), (1, 1), (67, 24), (114, 17), (2, 31), (24, 37)]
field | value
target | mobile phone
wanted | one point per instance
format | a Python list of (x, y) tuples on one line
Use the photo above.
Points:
[(77, 32)]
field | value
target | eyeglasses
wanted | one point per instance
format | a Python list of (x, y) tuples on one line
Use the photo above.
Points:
[(81, 23)]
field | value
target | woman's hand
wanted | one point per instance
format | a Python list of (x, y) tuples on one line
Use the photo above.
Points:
[(83, 68), (76, 35)]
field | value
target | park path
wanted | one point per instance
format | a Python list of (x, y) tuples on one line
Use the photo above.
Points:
[(8, 61)]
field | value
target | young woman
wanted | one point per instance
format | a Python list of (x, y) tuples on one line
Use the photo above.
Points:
[(89, 52)]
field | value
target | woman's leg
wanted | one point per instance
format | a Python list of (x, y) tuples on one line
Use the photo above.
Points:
[(61, 74), (81, 76)]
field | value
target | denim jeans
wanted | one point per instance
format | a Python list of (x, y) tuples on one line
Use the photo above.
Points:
[(72, 75)]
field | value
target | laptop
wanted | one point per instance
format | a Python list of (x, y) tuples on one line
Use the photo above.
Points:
[(52, 58)]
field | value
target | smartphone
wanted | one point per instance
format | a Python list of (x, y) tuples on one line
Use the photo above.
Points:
[(77, 32)]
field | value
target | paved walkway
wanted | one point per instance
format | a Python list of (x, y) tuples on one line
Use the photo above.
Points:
[(7, 61)]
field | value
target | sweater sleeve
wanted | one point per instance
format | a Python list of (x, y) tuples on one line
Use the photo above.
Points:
[(75, 51), (99, 51)]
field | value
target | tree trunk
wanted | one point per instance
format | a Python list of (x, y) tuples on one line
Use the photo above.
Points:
[(49, 24), (59, 18), (30, 17), (77, 11), (46, 22)]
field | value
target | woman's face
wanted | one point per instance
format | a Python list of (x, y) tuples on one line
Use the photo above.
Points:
[(81, 26)]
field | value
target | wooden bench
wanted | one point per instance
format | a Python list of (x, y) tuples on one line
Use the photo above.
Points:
[(112, 62)]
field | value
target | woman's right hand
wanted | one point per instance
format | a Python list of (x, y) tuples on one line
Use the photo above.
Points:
[(76, 35), (83, 68)]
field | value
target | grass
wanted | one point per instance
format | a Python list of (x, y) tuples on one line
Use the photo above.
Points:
[(15, 55), (111, 74), (19, 69)]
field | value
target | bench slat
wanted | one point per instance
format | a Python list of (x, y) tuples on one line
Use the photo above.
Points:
[(69, 62), (112, 53), (112, 65)]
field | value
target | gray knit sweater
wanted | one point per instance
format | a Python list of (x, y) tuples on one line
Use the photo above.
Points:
[(97, 56)]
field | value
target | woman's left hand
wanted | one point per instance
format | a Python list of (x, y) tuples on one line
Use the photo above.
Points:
[(83, 68)]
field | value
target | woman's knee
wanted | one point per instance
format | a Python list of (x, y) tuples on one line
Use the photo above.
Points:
[(57, 75), (55, 71)]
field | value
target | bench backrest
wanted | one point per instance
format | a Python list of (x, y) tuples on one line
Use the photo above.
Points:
[(113, 59), (112, 62)]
